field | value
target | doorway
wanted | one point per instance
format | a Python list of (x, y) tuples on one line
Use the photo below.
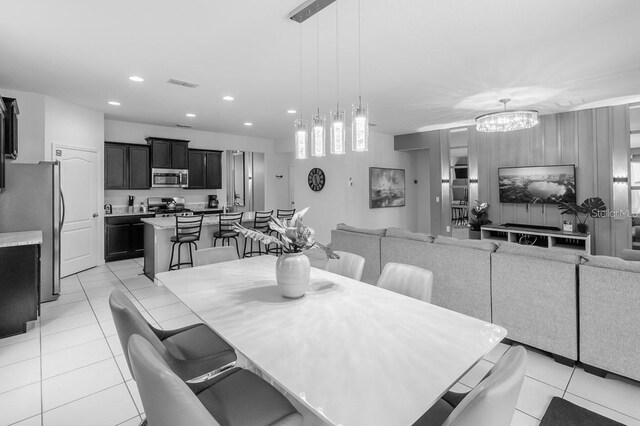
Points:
[(79, 235)]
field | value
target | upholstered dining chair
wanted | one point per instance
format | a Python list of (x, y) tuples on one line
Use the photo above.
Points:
[(409, 280), (195, 352), (235, 397), (214, 255), (491, 403), (349, 265)]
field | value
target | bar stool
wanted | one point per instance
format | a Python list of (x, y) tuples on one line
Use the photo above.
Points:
[(260, 223), (225, 229), (282, 214), (187, 232)]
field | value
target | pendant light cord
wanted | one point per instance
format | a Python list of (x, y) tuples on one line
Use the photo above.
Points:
[(337, 63), (359, 59), (318, 53), (301, 72)]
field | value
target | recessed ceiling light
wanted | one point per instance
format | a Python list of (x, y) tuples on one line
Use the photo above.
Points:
[(114, 103), (248, 124), (190, 115), (228, 98), (291, 111), (136, 79)]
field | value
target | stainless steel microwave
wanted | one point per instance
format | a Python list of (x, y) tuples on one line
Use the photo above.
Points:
[(169, 178)]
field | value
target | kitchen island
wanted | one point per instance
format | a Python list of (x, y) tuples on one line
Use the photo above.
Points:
[(157, 244)]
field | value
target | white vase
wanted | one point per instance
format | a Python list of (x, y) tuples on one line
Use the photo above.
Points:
[(292, 274)]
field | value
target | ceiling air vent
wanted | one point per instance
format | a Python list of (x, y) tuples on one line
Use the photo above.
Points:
[(183, 126), (183, 83)]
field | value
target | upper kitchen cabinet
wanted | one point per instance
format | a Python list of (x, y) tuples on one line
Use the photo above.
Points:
[(169, 153), (205, 169), (126, 166), (139, 173), (11, 128)]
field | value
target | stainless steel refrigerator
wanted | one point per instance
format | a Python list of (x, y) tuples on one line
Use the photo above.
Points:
[(33, 200)]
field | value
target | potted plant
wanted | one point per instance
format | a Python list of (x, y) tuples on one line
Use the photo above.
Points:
[(292, 268), (479, 216), (591, 207)]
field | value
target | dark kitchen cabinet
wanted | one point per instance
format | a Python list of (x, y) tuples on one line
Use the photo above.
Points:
[(139, 170), (115, 166), (180, 155), (169, 153), (126, 166), (20, 288), (197, 169), (205, 169), (11, 128), (124, 237), (3, 114), (214, 170)]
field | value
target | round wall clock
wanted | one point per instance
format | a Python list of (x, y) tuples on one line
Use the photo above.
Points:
[(316, 179)]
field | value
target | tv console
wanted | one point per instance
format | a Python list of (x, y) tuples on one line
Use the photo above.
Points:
[(539, 236), (522, 225)]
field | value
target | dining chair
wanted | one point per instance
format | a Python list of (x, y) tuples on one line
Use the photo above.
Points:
[(348, 265), (236, 397), (195, 352), (225, 229), (281, 214), (409, 280), (261, 224), (187, 232), (491, 403), (214, 255)]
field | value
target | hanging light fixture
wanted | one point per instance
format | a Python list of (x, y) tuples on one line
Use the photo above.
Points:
[(338, 146), (300, 125), (317, 120), (359, 112), (507, 120)]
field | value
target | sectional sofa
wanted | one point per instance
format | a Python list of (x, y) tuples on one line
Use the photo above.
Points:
[(575, 307)]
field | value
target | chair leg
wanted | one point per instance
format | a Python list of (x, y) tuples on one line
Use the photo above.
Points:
[(244, 248), (179, 250), (215, 240), (237, 248), (173, 246), (191, 255)]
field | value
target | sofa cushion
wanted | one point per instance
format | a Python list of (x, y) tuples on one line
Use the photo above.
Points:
[(408, 235), (472, 244), (632, 255), (539, 253), (609, 262), (343, 227)]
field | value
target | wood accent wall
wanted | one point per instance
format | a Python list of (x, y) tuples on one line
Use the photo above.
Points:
[(595, 140)]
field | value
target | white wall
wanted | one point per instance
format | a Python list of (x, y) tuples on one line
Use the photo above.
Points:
[(339, 201), (277, 194), (31, 125)]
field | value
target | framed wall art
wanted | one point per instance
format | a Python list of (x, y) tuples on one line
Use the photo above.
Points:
[(386, 187)]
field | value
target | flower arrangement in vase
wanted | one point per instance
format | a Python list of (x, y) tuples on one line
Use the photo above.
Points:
[(293, 267), (591, 207)]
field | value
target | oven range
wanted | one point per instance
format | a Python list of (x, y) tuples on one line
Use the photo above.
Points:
[(168, 206)]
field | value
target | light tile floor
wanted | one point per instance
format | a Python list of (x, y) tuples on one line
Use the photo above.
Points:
[(70, 369)]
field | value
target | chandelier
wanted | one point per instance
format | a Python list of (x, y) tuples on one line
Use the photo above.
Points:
[(507, 120)]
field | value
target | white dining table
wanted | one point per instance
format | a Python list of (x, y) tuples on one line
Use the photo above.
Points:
[(352, 353)]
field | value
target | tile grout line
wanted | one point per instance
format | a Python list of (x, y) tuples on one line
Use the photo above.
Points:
[(569, 382), (603, 406)]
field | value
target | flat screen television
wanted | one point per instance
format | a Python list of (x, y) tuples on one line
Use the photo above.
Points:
[(538, 184)]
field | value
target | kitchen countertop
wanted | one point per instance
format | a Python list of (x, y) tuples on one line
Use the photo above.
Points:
[(119, 214), (24, 238), (170, 222)]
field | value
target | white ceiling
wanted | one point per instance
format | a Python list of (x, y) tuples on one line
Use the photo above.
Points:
[(424, 63)]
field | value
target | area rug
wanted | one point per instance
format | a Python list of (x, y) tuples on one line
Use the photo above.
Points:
[(564, 413)]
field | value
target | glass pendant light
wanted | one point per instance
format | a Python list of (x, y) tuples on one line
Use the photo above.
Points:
[(338, 145), (507, 120), (301, 139), (317, 120), (300, 125), (359, 112)]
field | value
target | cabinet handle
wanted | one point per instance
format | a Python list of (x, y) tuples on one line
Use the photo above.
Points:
[(95, 215)]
